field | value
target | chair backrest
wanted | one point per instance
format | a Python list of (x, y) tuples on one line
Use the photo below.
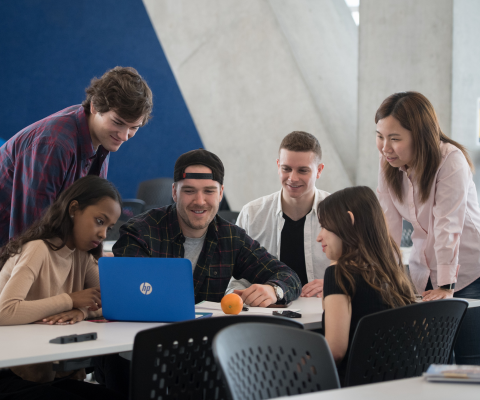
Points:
[(175, 361), (261, 361), (156, 192), (404, 342), (230, 216), (114, 233), (131, 207)]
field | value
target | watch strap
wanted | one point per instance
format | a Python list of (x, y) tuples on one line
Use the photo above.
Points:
[(450, 286)]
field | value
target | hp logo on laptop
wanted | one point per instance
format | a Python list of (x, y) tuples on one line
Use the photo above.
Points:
[(146, 288)]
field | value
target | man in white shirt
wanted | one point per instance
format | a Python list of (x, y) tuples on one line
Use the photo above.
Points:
[(286, 222)]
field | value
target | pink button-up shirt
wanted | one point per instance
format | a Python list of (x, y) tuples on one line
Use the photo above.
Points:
[(446, 228)]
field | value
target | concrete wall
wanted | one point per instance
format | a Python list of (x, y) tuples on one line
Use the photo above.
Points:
[(404, 45), (466, 78), (248, 82), (323, 39)]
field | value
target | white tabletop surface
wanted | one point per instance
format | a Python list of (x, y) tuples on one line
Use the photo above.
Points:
[(402, 389), (29, 344)]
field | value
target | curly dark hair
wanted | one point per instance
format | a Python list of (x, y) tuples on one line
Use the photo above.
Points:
[(56, 221), (122, 90)]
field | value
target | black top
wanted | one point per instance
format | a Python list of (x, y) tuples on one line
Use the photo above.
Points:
[(366, 301), (228, 251), (292, 249)]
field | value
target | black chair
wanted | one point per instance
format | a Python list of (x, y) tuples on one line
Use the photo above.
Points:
[(261, 361), (230, 216), (155, 192), (114, 233), (131, 207), (404, 342), (176, 362)]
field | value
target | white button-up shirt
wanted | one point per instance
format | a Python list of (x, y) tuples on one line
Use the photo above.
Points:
[(263, 221), (446, 228)]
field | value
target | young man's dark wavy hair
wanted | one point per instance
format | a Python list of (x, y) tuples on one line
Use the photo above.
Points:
[(367, 247), (56, 222), (122, 90)]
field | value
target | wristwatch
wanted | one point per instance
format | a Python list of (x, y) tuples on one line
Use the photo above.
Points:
[(450, 286), (278, 290)]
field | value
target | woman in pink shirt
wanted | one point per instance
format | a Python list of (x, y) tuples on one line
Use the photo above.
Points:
[(426, 179)]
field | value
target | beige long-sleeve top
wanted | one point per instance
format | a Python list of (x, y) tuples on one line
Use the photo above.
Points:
[(35, 284)]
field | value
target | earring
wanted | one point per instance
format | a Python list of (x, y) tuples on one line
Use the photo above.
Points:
[(71, 216)]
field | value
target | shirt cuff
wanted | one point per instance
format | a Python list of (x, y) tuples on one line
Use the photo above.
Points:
[(447, 274), (85, 312)]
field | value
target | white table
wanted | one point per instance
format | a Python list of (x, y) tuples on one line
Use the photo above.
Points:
[(29, 344), (402, 389)]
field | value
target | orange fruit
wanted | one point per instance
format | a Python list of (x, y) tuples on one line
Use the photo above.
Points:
[(232, 304)]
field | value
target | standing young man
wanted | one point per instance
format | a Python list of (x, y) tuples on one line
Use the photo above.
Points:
[(286, 222), (218, 250), (45, 158)]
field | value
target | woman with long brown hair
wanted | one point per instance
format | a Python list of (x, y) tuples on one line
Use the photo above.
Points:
[(367, 275), (426, 178)]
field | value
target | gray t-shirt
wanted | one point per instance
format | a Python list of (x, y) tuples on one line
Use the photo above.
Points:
[(193, 248)]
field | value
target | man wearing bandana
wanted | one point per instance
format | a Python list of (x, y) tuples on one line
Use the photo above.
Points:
[(218, 250)]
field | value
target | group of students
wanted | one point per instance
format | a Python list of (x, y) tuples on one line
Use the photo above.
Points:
[(56, 208)]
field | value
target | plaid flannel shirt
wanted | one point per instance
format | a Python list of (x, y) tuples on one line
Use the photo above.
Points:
[(41, 161), (228, 251)]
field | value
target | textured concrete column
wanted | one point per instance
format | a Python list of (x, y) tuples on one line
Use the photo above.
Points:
[(323, 39), (249, 76), (466, 78), (404, 45)]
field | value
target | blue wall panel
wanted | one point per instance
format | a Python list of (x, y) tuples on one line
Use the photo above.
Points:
[(50, 50)]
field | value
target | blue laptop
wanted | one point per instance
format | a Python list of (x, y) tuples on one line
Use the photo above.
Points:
[(147, 289)]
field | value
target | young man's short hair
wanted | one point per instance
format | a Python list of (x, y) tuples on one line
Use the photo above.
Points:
[(302, 141), (122, 90)]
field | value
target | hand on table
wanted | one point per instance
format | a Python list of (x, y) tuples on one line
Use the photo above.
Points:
[(70, 317), (437, 294), (87, 298), (107, 254), (258, 295), (313, 288)]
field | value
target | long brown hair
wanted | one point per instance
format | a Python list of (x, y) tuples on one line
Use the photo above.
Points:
[(367, 247), (56, 222), (416, 114)]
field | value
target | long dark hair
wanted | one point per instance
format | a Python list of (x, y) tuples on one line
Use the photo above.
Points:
[(367, 247), (56, 221), (416, 114)]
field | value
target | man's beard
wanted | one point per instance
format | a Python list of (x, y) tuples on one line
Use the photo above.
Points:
[(187, 222)]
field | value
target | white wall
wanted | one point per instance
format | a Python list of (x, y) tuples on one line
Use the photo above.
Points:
[(466, 78), (404, 45), (250, 76)]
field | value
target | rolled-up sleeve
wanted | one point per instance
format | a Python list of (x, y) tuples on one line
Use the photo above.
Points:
[(449, 212), (256, 265)]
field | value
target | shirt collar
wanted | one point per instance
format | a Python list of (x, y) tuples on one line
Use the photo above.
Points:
[(64, 252), (84, 138), (279, 202)]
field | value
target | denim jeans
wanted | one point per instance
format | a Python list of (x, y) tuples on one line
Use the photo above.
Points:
[(467, 347)]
